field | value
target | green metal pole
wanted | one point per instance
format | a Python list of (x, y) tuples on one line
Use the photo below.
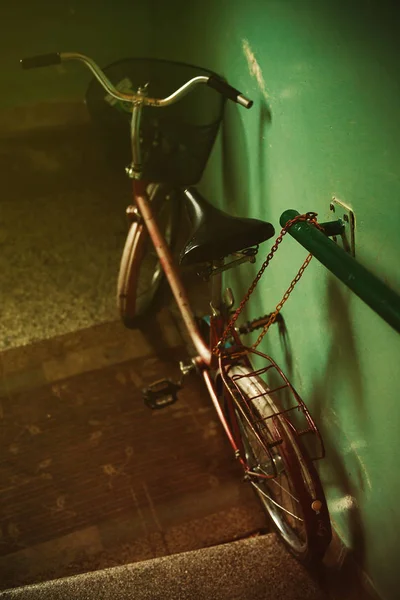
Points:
[(364, 284)]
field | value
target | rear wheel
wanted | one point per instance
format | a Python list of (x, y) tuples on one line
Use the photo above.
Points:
[(292, 495), (141, 274)]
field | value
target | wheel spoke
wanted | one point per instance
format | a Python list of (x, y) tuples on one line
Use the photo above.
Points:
[(276, 503), (285, 490), (273, 480)]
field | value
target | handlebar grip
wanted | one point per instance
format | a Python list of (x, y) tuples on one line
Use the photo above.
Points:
[(228, 91), (43, 60)]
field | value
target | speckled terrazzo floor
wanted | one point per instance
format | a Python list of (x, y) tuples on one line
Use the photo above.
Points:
[(254, 569), (91, 478), (62, 225)]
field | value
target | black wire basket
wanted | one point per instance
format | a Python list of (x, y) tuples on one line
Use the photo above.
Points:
[(176, 140)]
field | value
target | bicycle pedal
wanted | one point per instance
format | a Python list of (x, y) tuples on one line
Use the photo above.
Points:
[(161, 393)]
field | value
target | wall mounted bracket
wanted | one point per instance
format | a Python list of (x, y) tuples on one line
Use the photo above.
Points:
[(345, 214)]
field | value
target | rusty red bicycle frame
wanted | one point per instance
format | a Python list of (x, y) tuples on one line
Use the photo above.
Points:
[(171, 272), (208, 364), (205, 360)]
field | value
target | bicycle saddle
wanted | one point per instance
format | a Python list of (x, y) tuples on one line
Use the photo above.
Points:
[(216, 234)]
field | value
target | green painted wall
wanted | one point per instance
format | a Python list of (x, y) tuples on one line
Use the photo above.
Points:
[(325, 80)]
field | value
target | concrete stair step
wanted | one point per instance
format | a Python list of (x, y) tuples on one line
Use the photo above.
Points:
[(256, 568)]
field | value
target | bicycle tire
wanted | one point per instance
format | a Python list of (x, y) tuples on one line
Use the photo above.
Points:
[(291, 461), (140, 274)]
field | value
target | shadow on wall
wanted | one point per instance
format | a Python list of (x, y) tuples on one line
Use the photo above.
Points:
[(265, 120), (235, 165), (235, 162), (240, 197), (348, 478)]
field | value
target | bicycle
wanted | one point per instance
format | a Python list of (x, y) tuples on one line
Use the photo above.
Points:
[(263, 416)]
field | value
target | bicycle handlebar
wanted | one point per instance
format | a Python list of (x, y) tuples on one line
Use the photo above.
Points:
[(43, 60), (213, 81)]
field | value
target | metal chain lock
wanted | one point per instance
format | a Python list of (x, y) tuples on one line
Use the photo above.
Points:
[(311, 217)]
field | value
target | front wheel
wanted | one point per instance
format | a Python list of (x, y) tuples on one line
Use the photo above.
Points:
[(278, 467), (140, 274)]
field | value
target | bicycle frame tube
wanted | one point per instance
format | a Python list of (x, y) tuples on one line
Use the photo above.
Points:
[(135, 142), (215, 401), (170, 270)]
